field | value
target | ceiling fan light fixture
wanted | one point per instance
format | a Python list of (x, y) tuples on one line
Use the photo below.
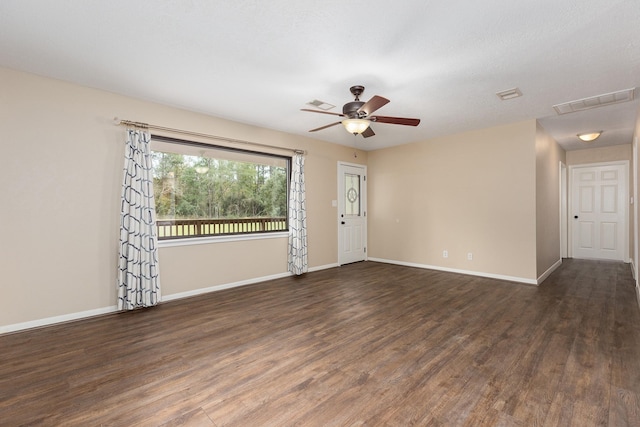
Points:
[(355, 126), (589, 136)]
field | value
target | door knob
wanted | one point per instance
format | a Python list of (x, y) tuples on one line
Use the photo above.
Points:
[(575, 216), (342, 222)]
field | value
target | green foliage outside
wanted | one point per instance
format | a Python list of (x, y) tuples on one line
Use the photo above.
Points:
[(191, 187)]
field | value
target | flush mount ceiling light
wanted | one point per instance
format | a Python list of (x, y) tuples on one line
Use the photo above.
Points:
[(355, 126), (589, 136)]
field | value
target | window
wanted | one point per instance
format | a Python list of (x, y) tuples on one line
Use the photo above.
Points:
[(202, 190), (352, 194)]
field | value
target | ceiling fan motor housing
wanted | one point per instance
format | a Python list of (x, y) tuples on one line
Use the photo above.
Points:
[(350, 109)]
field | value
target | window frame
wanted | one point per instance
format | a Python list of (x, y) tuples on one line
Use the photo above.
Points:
[(224, 237)]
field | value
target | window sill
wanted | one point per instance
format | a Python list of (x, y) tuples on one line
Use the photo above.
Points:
[(221, 239)]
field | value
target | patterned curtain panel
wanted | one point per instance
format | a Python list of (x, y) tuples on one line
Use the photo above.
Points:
[(297, 218), (138, 281)]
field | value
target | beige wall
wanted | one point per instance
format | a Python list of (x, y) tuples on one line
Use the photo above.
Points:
[(470, 192), (61, 172), (548, 157), (599, 155)]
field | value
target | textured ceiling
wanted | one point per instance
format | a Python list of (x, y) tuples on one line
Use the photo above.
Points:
[(259, 62)]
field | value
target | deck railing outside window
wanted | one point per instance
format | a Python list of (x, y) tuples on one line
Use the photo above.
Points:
[(182, 228)]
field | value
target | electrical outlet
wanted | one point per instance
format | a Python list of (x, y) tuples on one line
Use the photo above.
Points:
[(445, 254), (470, 256)]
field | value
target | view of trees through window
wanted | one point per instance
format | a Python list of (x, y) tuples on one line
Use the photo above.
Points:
[(201, 187)]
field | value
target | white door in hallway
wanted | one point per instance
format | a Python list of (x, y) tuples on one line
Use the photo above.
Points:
[(599, 211), (352, 213)]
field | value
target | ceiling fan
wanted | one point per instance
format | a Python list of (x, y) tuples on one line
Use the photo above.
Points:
[(358, 115)]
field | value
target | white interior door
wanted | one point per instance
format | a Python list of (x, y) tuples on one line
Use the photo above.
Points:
[(599, 212), (352, 213)]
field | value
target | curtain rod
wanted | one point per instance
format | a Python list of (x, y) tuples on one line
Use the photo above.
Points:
[(141, 125)]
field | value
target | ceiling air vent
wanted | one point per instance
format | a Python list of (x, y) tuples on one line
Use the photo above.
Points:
[(321, 105), (595, 101), (509, 94)]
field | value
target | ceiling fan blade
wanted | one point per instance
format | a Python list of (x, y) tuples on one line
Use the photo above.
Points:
[(322, 112), (373, 104), (324, 127), (395, 120), (368, 132)]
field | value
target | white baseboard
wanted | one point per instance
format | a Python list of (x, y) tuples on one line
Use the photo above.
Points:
[(107, 310), (549, 271), (57, 319), (215, 288), (324, 267), (455, 270)]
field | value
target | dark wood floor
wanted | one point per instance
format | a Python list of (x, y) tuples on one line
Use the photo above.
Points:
[(364, 344)]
